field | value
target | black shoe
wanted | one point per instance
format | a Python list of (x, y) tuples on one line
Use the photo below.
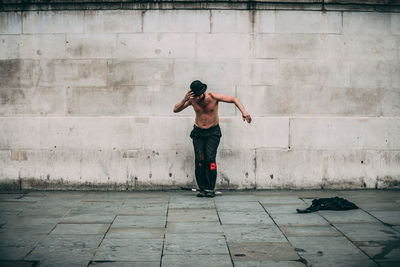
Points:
[(210, 193), (201, 194)]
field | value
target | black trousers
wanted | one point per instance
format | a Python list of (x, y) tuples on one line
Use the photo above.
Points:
[(205, 143)]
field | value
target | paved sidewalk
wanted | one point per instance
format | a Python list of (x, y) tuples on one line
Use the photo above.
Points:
[(175, 228)]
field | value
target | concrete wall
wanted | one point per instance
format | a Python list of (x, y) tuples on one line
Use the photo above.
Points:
[(86, 97)]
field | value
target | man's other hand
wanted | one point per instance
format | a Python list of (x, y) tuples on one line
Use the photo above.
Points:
[(246, 117)]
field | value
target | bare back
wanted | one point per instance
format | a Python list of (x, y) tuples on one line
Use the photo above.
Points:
[(206, 111)]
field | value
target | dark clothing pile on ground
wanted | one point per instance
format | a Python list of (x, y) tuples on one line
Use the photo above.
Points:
[(333, 203)]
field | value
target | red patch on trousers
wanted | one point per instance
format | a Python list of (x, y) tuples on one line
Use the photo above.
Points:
[(202, 156), (213, 166)]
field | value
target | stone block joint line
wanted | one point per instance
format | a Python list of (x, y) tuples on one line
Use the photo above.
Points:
[(301, 259), (226, 241), (165, 232), (337, 229)]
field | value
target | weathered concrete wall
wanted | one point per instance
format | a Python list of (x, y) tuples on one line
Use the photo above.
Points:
[(86, 97)]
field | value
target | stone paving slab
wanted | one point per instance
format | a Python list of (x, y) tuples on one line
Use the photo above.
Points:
[(135, 233), (205, 244), (12, 207), (284, 208), (140, 221), (129, 250), (22, 221), (14, 253), (98, 218), (72, 244), (94, 207), (261, 251), (368, 232), (144, 205), (194, 227), (48, 212), (17, 263), (196, 260), (321, 260), (195, 215), (389, 264), (53, 208), (380, 206), (4, 214), (371, 194), (175, 227), (292, 231), (148, 199), (10, 196), (18, 238), (382, 251), (17, 200), (82, 229), (61, 250), (242, 217), (390, 217), (236, 198), (280, 200), (336, 245), (347, 216), (240, 206), (312, 194), (105, 196), (8, 216), (143, 209), (65, 260), (269, 264), (308, 219), (125, 264), (200, 203), (33, 229), (253, 233)]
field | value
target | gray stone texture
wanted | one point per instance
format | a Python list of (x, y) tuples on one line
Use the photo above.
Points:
[(10, 23), (129, 250), (324, 230), (262, 251), (192, 215), (197, 260), (83, 229), (194, 227), (347, 216), (87, 95), (195, 243), (244, 218), (299, 219), (50, 228), (253, 233)]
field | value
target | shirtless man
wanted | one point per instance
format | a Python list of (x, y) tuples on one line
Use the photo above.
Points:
[(206, 132)]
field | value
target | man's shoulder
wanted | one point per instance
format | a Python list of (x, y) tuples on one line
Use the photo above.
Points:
[(216, 96), (212, 94)]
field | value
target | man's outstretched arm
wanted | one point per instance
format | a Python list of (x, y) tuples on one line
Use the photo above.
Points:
[(230, 99), (184, 103)]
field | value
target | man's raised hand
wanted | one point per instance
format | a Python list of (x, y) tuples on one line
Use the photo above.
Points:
[(189, 95), (246, 117)]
